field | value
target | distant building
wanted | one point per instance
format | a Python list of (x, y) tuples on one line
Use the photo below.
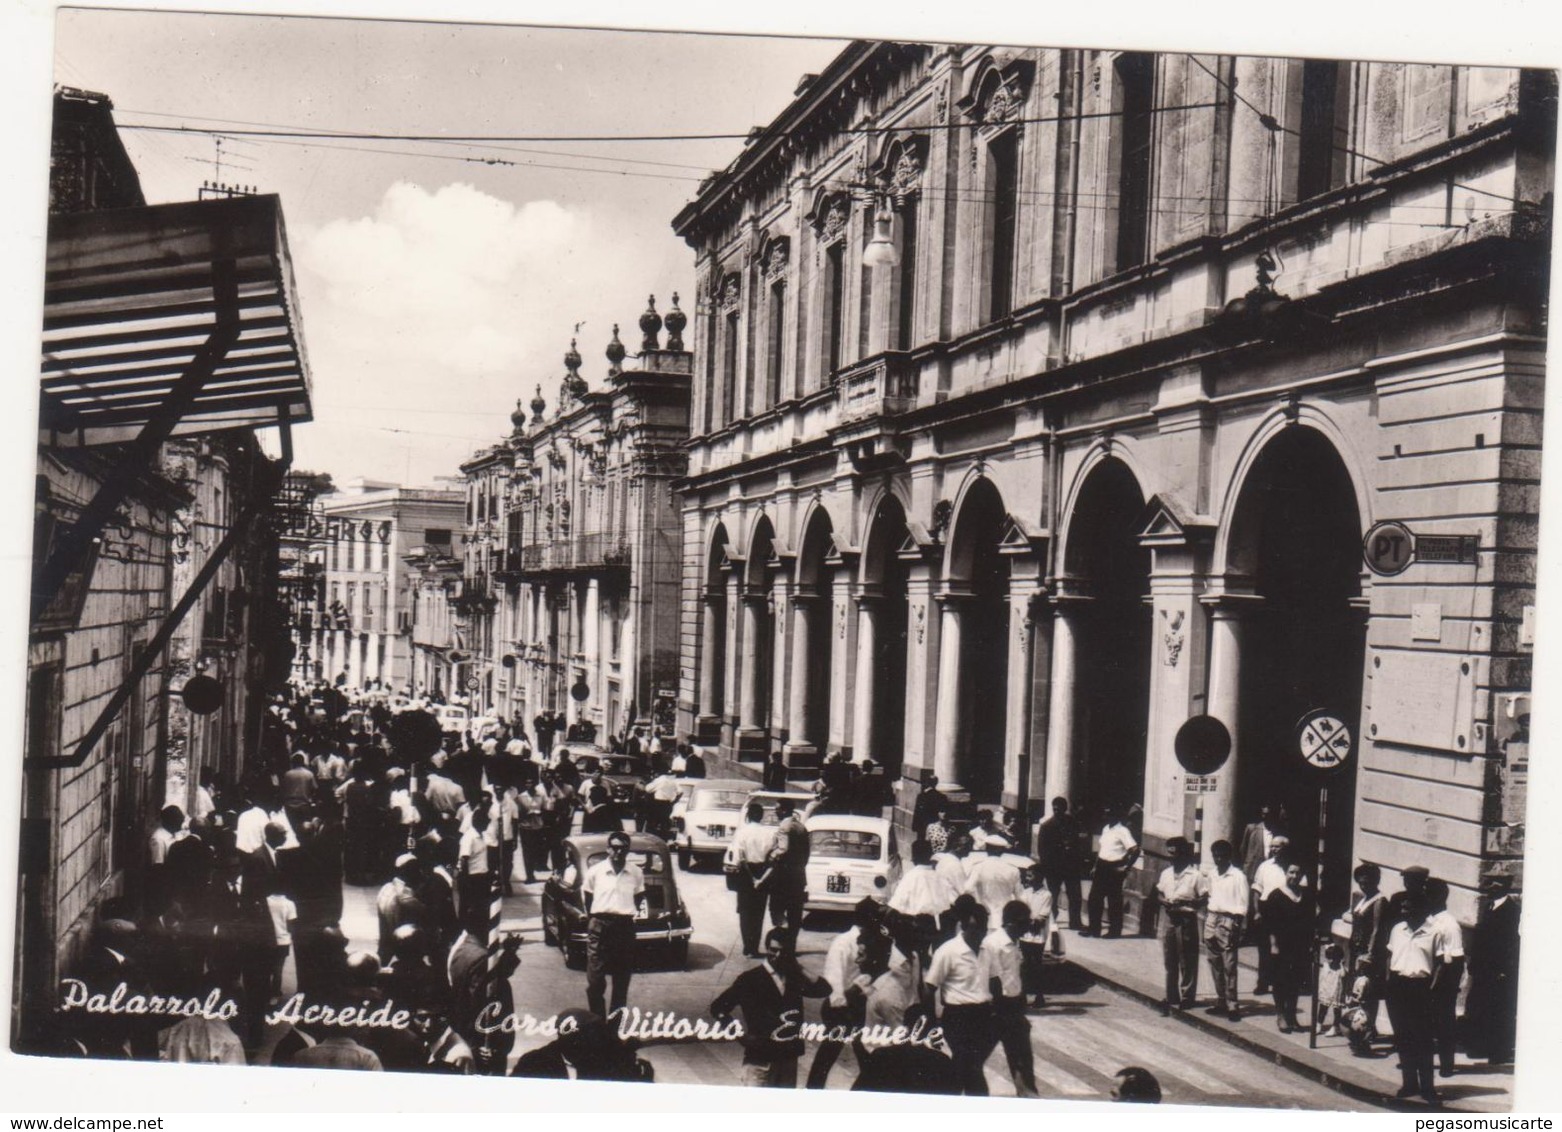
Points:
[(362, 633), (1044, 399), (570, 585)]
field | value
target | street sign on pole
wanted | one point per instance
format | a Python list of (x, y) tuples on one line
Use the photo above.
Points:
[(1202, 745), (1323, 740)]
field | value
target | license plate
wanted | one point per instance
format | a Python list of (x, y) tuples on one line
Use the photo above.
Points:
[(838, 883), (716, 830)]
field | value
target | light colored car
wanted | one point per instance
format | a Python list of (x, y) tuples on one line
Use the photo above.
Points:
[(453, 717), (850, 857), (706, 816), (768, 799)]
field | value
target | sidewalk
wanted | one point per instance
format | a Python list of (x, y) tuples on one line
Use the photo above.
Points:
[(1133, 966)]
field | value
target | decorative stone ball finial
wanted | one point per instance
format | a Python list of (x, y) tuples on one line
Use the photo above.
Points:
[(650, 326), (539, 406), (572, 358), (676, 321), (615, 353), (518, 418)]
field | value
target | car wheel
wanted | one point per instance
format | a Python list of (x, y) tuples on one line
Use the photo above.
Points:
[(685, 860), (678, 954), (574, 955)]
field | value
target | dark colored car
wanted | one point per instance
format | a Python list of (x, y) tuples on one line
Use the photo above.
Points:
[(664, 931), (625, 775)]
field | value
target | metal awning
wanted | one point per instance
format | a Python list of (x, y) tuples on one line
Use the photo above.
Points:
[(137, 299)]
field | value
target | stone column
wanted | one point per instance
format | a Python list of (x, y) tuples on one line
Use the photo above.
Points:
[(1226, 615), (1060, 712), (732, 652), (921, 677), (711, 635), (1017, 753), (751, 711), (948, 724), (781, 623), (863, 740), (799, 707), (843, 671)]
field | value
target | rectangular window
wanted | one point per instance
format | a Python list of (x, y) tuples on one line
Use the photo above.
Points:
[(710, 353), (1004, 154), (1320, 159), (437, 536), (775, 324), (729, 369), (336, 550), (1136, 98), (907, 285), (834, 323), (44, 686)]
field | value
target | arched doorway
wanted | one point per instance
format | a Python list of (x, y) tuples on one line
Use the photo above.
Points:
[(882, 737), (713, 640), (1113, 630), (812, 660), (977, 566), (1296, 535)]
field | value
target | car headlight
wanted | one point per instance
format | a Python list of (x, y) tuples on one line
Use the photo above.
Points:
[(880, 881)]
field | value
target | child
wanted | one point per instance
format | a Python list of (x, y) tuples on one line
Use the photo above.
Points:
[(1332, 988), (1033, 945), (1357, 1016), (284, 919)]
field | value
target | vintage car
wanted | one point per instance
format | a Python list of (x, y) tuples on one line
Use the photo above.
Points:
[(706, 817), (768, 798), (453, 718), (625, 775), (850, 857), (662, 933)]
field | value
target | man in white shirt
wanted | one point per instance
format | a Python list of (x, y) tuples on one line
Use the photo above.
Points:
[(842, 1008), (1013, 1028), (1180, 890), (962, 974), (746, 862), (661, 795), (992, 880), (1115, 855), (922, 891), (1450, 972), (614, 891), (953, 865), (1227, 897), (1412, 966)]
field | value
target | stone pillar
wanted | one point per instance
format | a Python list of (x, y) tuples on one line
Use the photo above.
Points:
[(712, 628), (800, 742), (751, 741), (921, 678), (863, 740), (1017, 753), (781, 622), (843, 655), (948, 724), (1226, 616), (730, 686), (1060, 711)]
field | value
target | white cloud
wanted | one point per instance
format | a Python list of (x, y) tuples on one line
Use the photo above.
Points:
[(433, 314)]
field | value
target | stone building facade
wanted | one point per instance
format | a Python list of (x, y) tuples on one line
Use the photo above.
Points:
[(362, 632), (1095, 450), (576, 545)]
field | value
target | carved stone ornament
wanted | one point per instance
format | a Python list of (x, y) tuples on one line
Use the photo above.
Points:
[(731, 290), (840, 613), (1174, 638), (941, 101), (906, 177), (920, 613), (835, 218), (774, 262)]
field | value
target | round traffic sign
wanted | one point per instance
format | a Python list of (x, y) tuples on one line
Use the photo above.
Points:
[(1323, 739), (202, 694), (1202, 744), (473, 683), (1388, 548), (580, 691)]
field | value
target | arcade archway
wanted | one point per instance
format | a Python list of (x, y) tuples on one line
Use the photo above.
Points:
[(1112, 681), (1296, 534), (881, 737), (979, 578)]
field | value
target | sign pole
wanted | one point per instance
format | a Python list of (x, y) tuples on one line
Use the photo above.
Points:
[(1198, 827), (1319, 944)]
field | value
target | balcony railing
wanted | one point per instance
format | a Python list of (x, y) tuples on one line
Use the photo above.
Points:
[(581, 553), (883, 385)]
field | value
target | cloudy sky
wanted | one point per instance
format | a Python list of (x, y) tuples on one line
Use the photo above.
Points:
[(439, 283)]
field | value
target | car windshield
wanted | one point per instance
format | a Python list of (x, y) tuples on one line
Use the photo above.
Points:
[(651, 863), (852, 844), (718, 799)]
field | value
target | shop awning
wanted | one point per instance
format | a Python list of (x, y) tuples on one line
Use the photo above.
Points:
[(182, 309)]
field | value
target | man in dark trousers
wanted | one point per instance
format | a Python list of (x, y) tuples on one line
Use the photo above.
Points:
[(928, 807), (1058, 847), (244, 943), (747, 860), (775, 773), (1412, 984), (785, 882), (1492, 1008), (770, 998)]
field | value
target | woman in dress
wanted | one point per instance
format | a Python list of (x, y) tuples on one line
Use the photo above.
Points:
[(1288, 912)]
